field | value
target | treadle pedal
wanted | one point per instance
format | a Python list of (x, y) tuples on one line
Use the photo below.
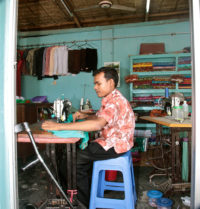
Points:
[(57, 204)]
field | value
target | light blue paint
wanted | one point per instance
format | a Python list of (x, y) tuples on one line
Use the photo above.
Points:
[(4, 182), (127, 39)]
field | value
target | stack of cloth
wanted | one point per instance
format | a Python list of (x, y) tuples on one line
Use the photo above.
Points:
[(131, 78), (184, 63), (145, 101), (157, 82), (186, 83), (142, 133), (162, 82), (142, 66), (143, 83), (153, 66)]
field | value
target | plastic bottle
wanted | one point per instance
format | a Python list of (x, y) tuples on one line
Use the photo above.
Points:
[(185, 160), (185, 109)]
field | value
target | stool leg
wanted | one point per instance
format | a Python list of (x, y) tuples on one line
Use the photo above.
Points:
[(133, 183), (101, 186), (128, 188), (94, 187)]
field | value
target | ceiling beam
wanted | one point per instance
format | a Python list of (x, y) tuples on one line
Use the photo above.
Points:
[(100, 21), (93, 20), (169, 13), (68, 8), (46, 26)]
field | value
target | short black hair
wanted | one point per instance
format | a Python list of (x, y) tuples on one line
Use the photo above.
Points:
[(109, 73)]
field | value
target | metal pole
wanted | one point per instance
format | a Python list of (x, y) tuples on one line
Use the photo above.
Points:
[(195, 29)]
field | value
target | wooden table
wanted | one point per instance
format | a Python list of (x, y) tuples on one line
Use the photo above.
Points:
[(175, 129), (45, 137)]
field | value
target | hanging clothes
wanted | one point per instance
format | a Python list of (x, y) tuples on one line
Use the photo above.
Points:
[(19, 71), (74, 64)]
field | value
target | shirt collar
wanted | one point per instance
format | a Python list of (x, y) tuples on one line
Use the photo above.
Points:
[(109, 96)]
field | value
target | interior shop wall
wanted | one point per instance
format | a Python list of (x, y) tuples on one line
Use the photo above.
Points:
[(114, 43)]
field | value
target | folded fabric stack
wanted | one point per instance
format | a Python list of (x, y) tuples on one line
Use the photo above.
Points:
[(143, 83), (142, 133), (164, 66), (142, 67), (186, 83), (145, 101), (131, 78), (158, 82), (156, 66), (184, 63)]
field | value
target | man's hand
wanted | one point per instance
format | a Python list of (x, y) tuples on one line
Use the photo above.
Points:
[(50, 125), (79, 116)]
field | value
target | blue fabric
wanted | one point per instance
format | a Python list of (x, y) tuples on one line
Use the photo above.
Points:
[(73, 134)]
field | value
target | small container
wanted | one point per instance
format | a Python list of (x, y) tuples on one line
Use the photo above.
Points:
[(164, 203), (154, 195), (178, 113), (185, 109), (110, 175)]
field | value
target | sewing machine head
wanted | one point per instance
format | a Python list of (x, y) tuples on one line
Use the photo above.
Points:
[(61, 109)]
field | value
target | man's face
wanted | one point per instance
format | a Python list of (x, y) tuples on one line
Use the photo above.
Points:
[(102, 86)]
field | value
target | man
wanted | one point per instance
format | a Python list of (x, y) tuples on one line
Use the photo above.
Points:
[(116, 122)]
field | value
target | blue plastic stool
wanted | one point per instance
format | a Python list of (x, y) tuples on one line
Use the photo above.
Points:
[(99, 184)]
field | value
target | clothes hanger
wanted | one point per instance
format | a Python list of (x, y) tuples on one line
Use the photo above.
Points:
[(74, 44), (87, 44)]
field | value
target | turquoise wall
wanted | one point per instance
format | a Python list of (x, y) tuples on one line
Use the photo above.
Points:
[(114, 43), (4, 184)]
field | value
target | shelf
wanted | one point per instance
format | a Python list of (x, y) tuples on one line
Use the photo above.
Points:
[(145, 125), (148, 108), (161, 73), (161, 91), (172, 62), (151, 56)]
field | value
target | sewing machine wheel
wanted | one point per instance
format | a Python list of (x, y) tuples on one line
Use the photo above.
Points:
[(159, 154)]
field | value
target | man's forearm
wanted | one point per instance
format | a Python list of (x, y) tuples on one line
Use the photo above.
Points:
[(87, 125)]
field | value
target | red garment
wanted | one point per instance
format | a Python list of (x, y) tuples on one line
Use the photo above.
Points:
[(119, 131), (19, 71)]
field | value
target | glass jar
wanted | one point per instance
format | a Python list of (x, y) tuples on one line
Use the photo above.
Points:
[(177, 113)]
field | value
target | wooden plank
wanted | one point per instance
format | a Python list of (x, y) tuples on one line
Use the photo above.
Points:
[(167, 121)]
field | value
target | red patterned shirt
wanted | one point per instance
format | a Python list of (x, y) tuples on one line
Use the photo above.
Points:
[(119, 130)]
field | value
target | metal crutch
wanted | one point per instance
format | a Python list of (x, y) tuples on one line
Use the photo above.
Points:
[(24, 126)]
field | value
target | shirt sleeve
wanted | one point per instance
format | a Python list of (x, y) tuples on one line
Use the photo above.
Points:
[(107, 112)]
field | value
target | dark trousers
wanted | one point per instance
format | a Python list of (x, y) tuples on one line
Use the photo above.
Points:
[(85, 159)]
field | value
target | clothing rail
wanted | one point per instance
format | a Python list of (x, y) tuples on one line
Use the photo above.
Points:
[(100, 39)]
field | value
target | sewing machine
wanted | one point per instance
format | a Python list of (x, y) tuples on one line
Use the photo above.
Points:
[(61, 108)]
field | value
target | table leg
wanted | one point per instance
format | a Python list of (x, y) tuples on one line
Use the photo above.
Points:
[(74, 166), (173, 154), (189, 154)]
